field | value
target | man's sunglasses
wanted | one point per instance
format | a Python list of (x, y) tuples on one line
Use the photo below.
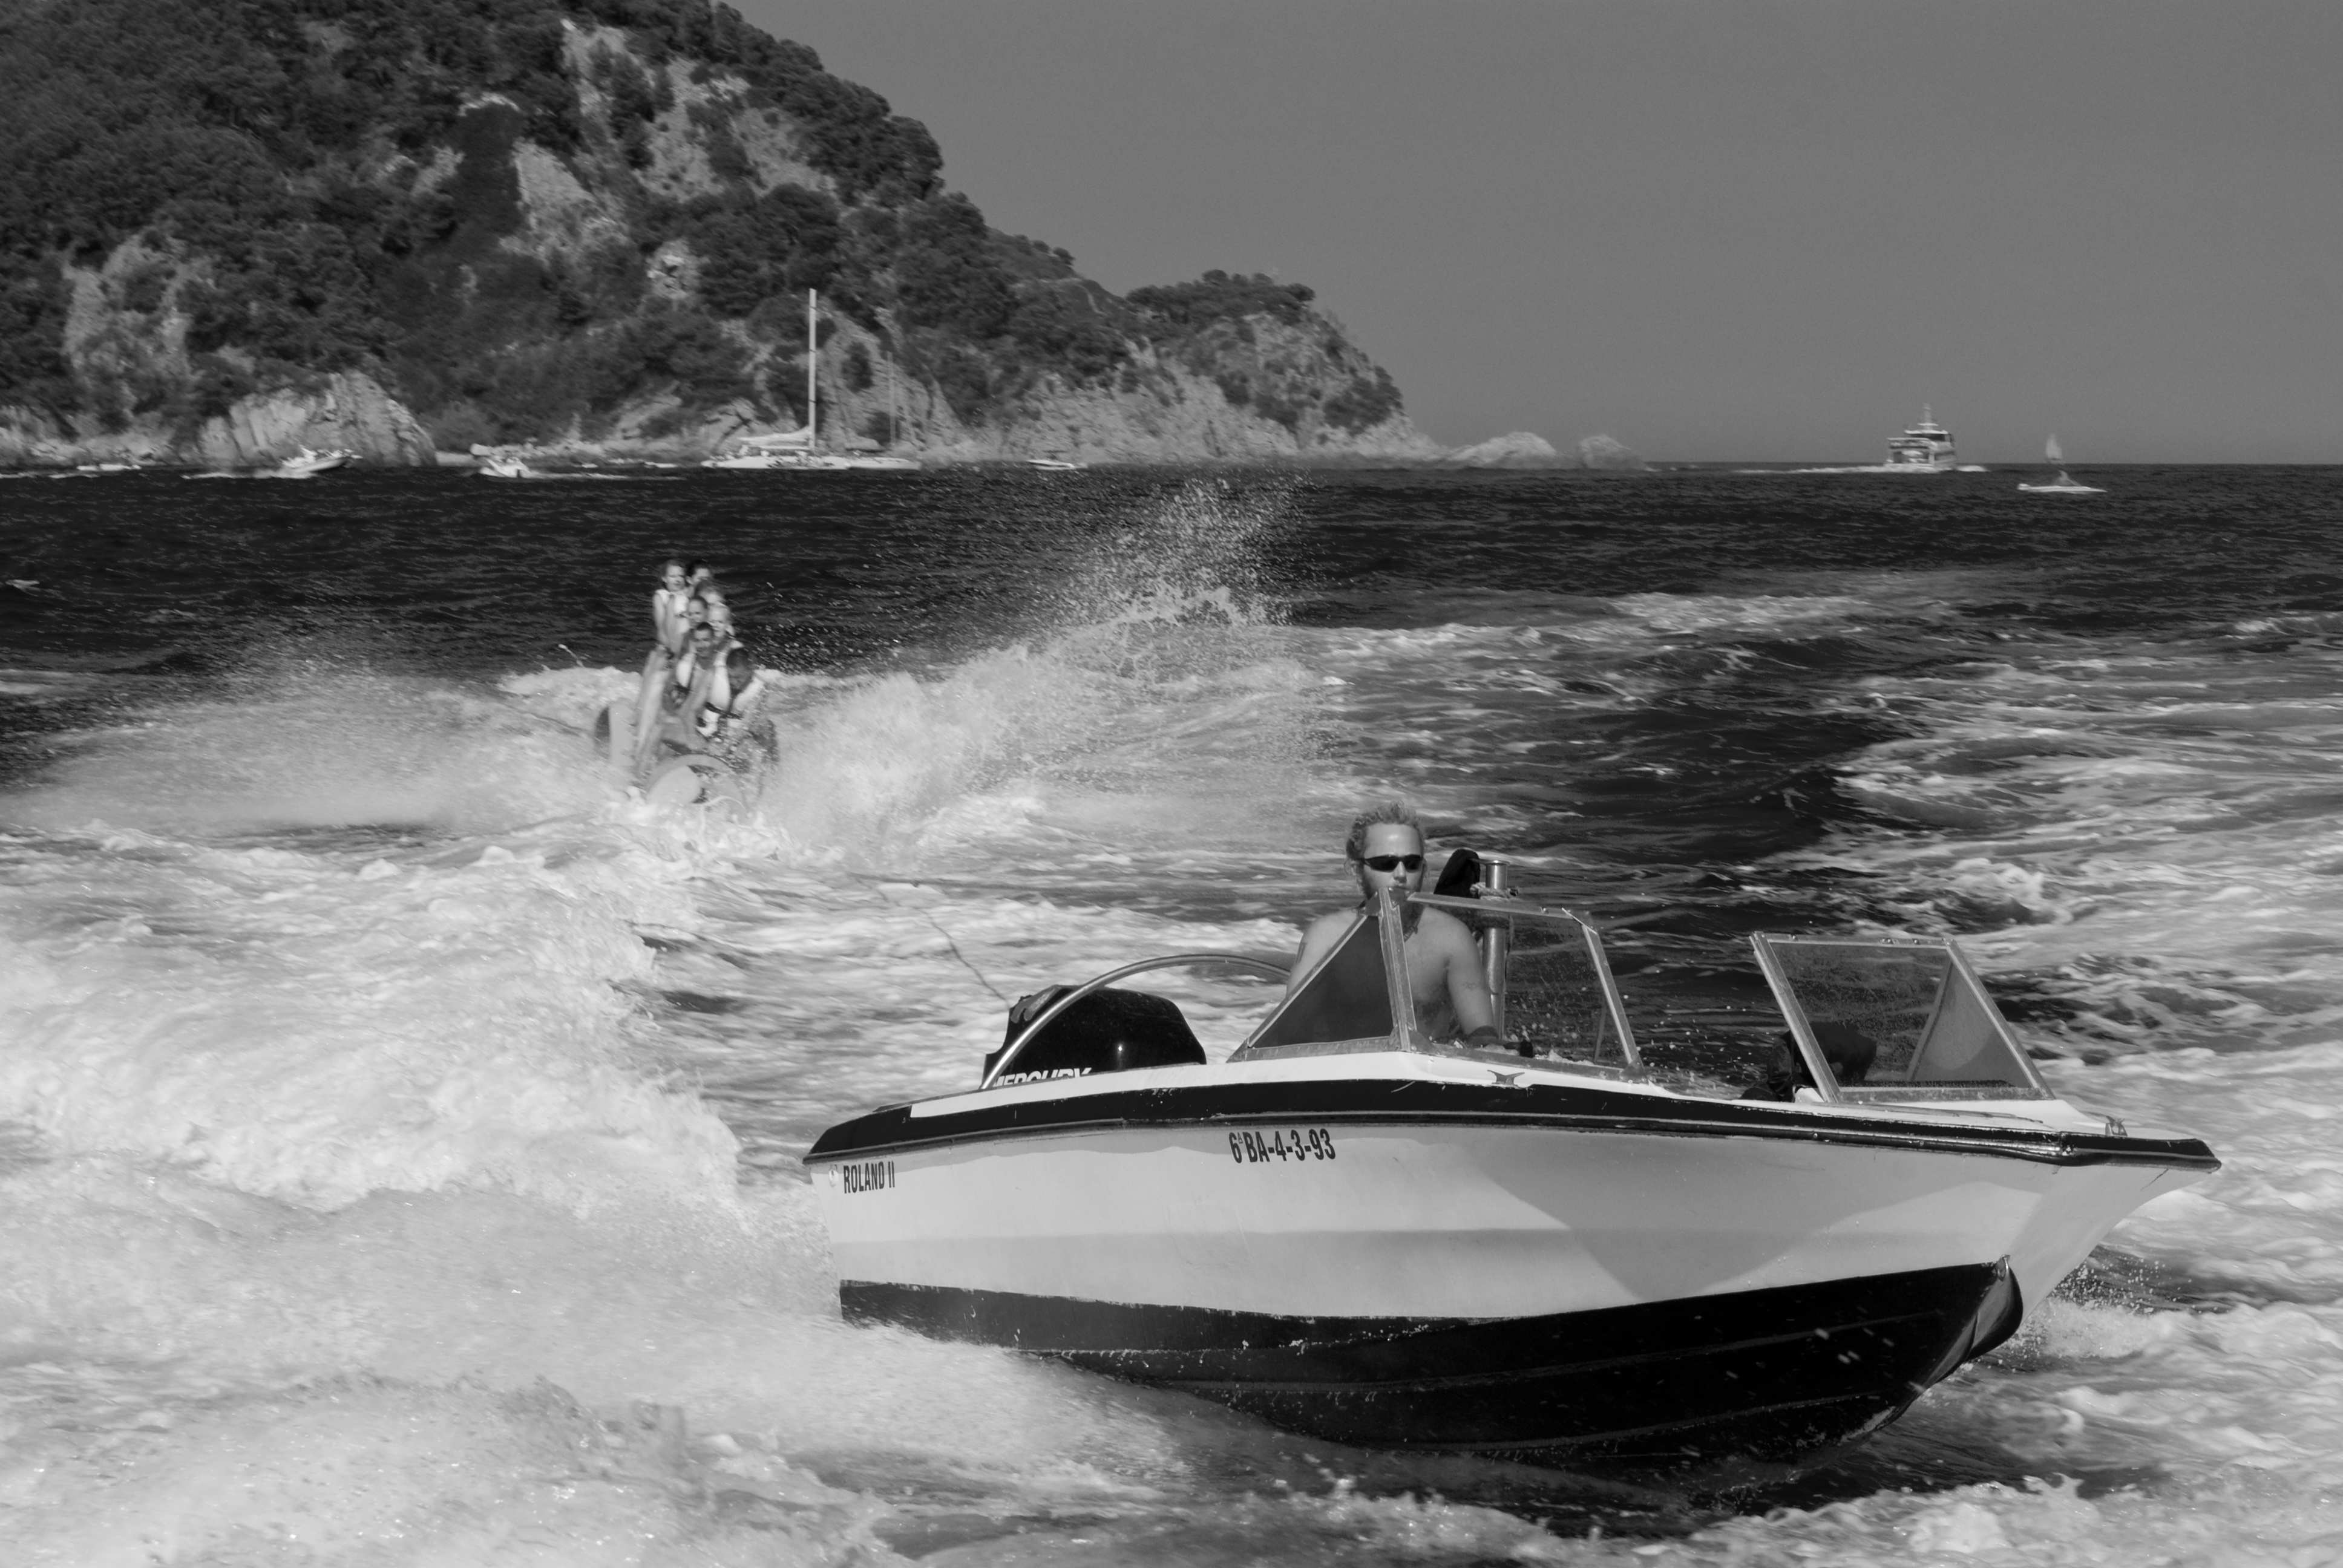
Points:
[(1392, 862)]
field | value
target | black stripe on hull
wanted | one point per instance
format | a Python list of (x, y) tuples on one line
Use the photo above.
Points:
[(1371, 1102), (1771, 1373)]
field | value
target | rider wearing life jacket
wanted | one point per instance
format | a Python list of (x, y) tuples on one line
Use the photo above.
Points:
[(731, 699)]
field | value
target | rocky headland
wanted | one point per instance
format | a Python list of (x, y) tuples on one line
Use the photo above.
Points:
[(1522, 450), (230, 229)]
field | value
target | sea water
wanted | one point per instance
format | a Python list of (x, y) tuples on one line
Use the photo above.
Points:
[(400, 1124)]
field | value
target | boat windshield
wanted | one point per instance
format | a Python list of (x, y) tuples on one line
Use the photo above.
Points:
[(1894, 1020), (1866, 1021), (1549, 985), (1345, 1004), (1549, 982)]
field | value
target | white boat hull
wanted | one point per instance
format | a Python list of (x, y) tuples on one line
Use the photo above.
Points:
[(1475, 1223), (1403, 1251)]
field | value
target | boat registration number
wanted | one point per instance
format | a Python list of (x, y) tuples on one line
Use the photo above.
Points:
[(1286, 1143)]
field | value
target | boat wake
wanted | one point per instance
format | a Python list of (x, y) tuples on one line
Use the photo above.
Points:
[(401, 1125)]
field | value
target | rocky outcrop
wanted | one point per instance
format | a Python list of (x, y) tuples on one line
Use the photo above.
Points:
[(583, 228), (30, 439), (1274, 397), (1521, 449), (346, 410), (1602, 452)]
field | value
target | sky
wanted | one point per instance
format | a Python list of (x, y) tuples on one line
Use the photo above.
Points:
[(1738, 229)]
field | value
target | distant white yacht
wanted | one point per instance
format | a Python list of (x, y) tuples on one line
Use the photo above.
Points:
[(1926, 446)]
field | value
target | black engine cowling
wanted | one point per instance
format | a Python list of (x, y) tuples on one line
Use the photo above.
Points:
[(1106, 1031)]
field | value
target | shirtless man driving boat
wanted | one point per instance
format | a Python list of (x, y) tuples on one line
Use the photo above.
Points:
[(1443, 967)]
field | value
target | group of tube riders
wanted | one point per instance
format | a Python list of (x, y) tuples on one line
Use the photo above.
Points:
[(692, 732)]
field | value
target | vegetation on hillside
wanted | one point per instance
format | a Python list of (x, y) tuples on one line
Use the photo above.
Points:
[(258, 190)]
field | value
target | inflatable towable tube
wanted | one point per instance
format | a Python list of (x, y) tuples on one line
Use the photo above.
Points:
[(692, 778)]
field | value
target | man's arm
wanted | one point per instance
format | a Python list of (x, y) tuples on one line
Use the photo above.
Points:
[(695, 702), (1468, 988)]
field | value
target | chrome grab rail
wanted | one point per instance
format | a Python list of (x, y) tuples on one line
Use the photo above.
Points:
[(1496, 883), (1049, 1015)]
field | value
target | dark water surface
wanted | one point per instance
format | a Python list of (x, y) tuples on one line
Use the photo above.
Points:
[(404, 1122)]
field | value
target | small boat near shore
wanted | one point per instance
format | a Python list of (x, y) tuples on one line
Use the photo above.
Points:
[(800, 450), (1571, 1248), (305, 464)]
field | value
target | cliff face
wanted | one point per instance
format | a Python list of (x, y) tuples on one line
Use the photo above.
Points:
[(234, 228)]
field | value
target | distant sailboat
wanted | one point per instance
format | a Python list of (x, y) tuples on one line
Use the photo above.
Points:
[(801, 448), (2065, 485)]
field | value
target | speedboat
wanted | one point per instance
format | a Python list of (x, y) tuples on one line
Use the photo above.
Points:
[(1571, 1247), (305, 464), (504, 468)]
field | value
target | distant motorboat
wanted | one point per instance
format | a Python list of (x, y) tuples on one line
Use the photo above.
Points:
[(306, 464), (2065, 484), (1925, 447), (1055, 465), (506, 468)]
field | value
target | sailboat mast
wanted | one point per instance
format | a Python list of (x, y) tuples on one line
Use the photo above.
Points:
[(813, 432)]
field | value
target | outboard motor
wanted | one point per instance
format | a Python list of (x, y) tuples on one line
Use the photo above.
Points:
[(1106, 1031)]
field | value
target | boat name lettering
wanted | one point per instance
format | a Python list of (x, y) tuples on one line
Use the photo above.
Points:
[(1287, 1143), (866, 1176), (1047, 1074)]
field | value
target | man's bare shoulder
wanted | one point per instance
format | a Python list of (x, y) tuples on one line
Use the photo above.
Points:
[(1328, 926), (1440, 927)]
